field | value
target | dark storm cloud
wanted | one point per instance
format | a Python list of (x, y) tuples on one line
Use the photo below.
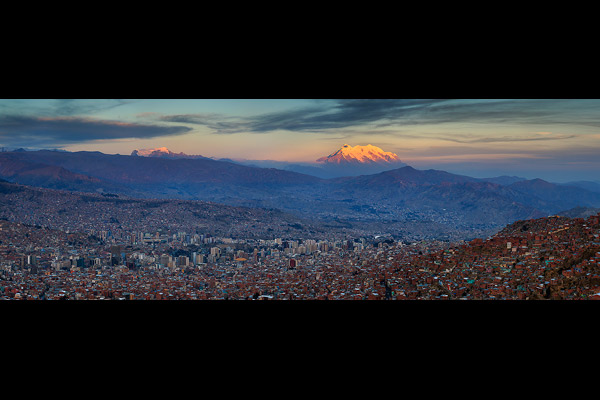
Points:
[(18, 130), (380, 113)]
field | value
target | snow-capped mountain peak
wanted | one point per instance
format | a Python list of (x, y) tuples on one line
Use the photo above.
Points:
[(151, 152), (360, 154), (161, 152)]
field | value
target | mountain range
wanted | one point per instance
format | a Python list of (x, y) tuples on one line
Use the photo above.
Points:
[(162, 152), (399, 198), (346, 161)]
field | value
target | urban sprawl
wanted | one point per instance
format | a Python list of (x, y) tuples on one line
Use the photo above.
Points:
[(547, 258)]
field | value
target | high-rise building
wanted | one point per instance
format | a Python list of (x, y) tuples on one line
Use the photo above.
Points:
[(183, 261), (165, 259), (116, 254)]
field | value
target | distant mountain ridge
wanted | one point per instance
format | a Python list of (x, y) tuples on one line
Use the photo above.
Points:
[(504, 180), (402, 195), (580, 212), (131, 170), (346, 161), (162, 152), (588, 185)]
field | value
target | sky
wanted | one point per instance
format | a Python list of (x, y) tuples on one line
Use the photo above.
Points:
[(553, 139)]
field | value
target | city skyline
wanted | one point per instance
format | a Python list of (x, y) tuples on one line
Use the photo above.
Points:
[(554, 139)]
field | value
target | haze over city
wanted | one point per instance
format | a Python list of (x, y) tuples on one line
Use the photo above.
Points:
[(553, 139)]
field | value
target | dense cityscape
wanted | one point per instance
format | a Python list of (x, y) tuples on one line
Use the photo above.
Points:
[(546, 258)]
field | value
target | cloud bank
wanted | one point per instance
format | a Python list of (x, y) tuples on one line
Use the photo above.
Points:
[(333, 115), (27, 131)]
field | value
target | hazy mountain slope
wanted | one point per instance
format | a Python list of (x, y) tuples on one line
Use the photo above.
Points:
[(579, 212), (70, 211), (503, 180), (403, 176), (142, 170), (552, 198), (30, 172), (587, 185), (401, 195)]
